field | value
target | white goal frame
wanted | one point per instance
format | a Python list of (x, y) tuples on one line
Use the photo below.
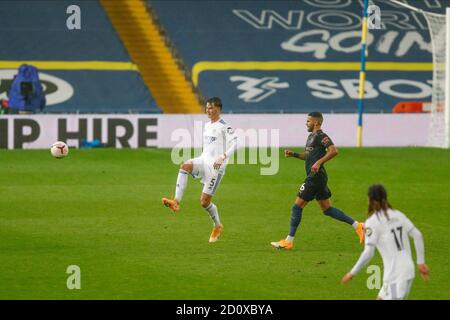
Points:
[(447, 80), (446, 141)]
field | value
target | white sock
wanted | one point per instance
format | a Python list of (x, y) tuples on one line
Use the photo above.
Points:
[(355, 224), (289, 238), (181, 184), (213, 213)]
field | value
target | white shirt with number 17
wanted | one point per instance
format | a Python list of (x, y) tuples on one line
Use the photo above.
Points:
[(391, 238)]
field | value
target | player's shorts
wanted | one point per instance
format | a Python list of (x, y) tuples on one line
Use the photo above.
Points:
[(211, 177), (315, 188), (396, 291)]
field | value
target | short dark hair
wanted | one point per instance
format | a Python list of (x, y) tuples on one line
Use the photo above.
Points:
[(378, 199), (316, 115), (215, 101)]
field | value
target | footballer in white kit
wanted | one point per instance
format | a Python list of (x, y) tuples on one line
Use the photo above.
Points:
[(219, 143), (216, 136), (388, 230)]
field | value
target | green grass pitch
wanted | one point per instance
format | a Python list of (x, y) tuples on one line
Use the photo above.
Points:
[(101, 210)]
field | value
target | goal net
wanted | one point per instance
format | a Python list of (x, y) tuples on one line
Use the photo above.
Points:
[(439, 26), (438, 134)]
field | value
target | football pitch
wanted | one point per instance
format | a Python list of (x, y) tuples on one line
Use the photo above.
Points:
[(101, 210)]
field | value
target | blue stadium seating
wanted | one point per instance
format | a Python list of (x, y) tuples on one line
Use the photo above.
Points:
[(215, 38), (37, 31)]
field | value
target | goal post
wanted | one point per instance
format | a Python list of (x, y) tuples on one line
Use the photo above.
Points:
[(439, 29), (438, 132), (447, 81)]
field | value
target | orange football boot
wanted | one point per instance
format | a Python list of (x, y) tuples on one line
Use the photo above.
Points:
[(215, 234), (172, 204), (283, 244), (360, 231)]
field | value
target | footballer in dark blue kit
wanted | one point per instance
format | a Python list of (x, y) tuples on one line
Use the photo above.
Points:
[(319, 149)]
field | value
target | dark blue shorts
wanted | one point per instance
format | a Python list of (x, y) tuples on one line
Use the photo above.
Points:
[(315, 188)]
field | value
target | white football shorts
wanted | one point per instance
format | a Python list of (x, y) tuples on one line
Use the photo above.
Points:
[(396, 290), (211, 177)]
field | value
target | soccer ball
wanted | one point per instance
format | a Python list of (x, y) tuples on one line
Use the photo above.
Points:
[(59, 149)]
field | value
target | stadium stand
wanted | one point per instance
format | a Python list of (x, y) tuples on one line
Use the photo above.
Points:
[(83, 71), (286, 56), (147, 47)]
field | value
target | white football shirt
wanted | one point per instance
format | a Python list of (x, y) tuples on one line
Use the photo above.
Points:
[(218, 137), (390, 237)]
